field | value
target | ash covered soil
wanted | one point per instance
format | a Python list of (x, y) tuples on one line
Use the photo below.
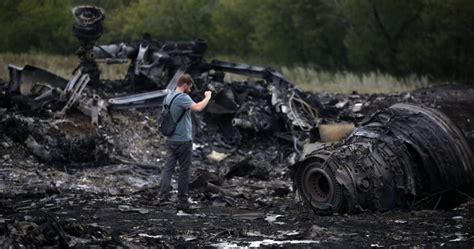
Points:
[(102, 186)]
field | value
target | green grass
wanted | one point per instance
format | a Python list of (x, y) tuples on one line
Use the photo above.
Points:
[(59, 64), (306, 78), (346, 82)]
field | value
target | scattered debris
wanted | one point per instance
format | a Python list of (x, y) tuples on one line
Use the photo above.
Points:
[(271, 218), (270, 242), (271, 105), (226, 204), (217, 156), (400, 221), (150, 236), (125, 208), (74, 180)]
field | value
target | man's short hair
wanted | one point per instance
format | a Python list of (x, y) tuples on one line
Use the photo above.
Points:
[(185, 79)]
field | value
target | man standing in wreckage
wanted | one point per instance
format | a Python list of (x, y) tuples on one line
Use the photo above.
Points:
[(179, 145)]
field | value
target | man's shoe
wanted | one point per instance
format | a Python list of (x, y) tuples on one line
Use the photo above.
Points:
[(162, 202)]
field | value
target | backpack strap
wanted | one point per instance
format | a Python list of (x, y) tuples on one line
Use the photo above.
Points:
[(184, 111), (175, 96), (180, 116)]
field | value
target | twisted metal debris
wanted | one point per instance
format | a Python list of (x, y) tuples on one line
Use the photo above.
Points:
[(402, 156), (272, 104)]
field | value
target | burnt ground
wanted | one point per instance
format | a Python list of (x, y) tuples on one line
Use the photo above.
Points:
[(101, 187)]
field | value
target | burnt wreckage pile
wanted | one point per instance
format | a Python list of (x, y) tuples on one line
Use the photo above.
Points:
[(402, 156), (272, 105)]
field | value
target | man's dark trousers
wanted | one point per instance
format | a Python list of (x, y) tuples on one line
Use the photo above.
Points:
[(176, 152)]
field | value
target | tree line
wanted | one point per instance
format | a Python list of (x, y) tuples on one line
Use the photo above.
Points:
[(400, 37)]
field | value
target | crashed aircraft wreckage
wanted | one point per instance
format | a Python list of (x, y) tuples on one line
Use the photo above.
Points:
[(253, 105), (401, 157)]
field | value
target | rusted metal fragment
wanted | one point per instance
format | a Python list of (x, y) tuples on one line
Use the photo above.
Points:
[(401, 155), (335, 132)]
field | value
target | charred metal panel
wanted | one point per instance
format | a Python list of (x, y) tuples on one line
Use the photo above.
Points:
[(37, 88), (401, 155), (146, 99), (23, 80)]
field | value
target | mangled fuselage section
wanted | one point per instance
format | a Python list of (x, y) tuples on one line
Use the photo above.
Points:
[(403, 156), (250, 105)]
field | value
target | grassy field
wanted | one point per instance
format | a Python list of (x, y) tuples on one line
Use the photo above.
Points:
[(58, 64), (347, 82), (307, 79)]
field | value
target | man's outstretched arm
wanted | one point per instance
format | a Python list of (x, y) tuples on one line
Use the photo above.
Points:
[(197, 107)]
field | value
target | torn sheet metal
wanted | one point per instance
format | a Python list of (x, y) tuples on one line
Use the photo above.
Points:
[(139, 99), (403, 154), (36, 88), (24, 80)]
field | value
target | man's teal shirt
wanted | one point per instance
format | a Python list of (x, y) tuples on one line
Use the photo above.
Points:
[(184, 129)]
